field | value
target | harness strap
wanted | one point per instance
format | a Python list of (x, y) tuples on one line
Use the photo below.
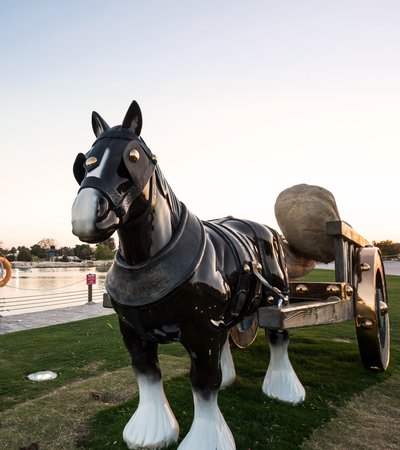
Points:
[(117, 199), (99, 184), (151, 203), (259, 256), (150, 282), (273, 265), (124, 135), (247, 296)]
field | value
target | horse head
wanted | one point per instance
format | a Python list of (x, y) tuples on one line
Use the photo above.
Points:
[(116, 178)]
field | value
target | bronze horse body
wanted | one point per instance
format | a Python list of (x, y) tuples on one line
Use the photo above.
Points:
[(175, 278)]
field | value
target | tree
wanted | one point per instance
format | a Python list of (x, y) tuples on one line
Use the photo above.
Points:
[(110, 243), (44, 248), (388, 248), (67, 251), (3, 251), (47, 243), (38, 251), (24, 254), (83, 251), (103, 252)]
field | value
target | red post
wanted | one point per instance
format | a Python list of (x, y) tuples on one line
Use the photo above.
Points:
[(90, 281)]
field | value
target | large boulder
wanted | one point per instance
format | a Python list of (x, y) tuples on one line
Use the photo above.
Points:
[(302, 212), (297, 265)]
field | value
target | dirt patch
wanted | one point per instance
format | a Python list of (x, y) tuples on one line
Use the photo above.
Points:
[(56, 421), (370, 420)]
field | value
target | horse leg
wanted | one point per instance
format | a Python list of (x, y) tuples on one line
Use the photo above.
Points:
[(209, 429), (153, 425), (281, 381), (227, 365)]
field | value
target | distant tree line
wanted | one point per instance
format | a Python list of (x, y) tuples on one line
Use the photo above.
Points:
[(48, 249), (388, 248)]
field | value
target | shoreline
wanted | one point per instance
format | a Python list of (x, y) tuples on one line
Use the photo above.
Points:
[(59, 264), (391, 267)]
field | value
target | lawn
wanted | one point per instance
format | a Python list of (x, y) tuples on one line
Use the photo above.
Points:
[(92, 363)]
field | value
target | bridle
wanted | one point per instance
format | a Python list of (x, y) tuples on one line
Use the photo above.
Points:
[(121, 202)]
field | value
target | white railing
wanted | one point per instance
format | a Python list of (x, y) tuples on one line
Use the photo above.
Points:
[(40, 302)]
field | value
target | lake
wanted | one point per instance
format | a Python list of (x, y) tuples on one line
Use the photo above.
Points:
[(36, 289)]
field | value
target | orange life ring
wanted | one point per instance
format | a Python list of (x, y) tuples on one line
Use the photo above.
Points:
[(7, 276)]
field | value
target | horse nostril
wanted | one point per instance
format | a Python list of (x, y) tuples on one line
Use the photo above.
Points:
[(102, 206)]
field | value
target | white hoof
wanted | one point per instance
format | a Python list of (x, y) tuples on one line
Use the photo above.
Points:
[(209, 430), (283, 385), (153, 425), (281, 381), (227, 366)]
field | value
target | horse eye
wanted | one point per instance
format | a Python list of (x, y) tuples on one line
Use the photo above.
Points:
[(91, 161), (134, 155)]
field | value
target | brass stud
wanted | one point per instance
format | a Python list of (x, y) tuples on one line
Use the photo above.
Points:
[(349, 290), (246, 268), (270, 299), (154, 159), (91, 161), (134, 155), (259, 267), (301, 289), (366, 324), (332, 289), (364, 267), (383, 307)]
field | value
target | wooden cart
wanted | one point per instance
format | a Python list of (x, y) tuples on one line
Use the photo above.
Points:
[(359, 293)]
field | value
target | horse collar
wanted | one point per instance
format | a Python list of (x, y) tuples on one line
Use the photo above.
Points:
[(151, 281)]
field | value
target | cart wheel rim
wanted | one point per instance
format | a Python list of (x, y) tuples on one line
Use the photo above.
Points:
[(381, 312), (371, 310), (244, 333)]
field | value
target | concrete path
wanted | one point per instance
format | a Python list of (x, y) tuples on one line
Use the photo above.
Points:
[(20, 322)]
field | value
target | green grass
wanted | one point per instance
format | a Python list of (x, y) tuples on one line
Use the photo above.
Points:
[(330, 370), (75, 351)]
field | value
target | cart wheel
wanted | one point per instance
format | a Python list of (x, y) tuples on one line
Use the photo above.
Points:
[(245, 332), (371, 309)]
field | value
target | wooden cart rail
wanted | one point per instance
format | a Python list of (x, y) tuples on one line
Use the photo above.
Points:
[(346, 240), (321, 303), (311, 303)]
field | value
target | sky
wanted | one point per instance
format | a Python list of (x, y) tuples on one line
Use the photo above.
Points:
[(240, 101)]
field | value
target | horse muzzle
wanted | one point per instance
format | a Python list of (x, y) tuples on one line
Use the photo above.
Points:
[(93, 220)]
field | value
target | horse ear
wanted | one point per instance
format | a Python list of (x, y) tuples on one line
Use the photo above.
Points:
[(133, 118), (99, 125)]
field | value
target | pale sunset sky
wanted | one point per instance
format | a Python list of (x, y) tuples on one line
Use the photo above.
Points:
[(240, 100)]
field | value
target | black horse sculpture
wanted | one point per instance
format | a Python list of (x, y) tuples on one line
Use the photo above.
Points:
[(176, 278)]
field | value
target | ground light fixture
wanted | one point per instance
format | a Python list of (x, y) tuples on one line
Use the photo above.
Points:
[(45, 375)]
